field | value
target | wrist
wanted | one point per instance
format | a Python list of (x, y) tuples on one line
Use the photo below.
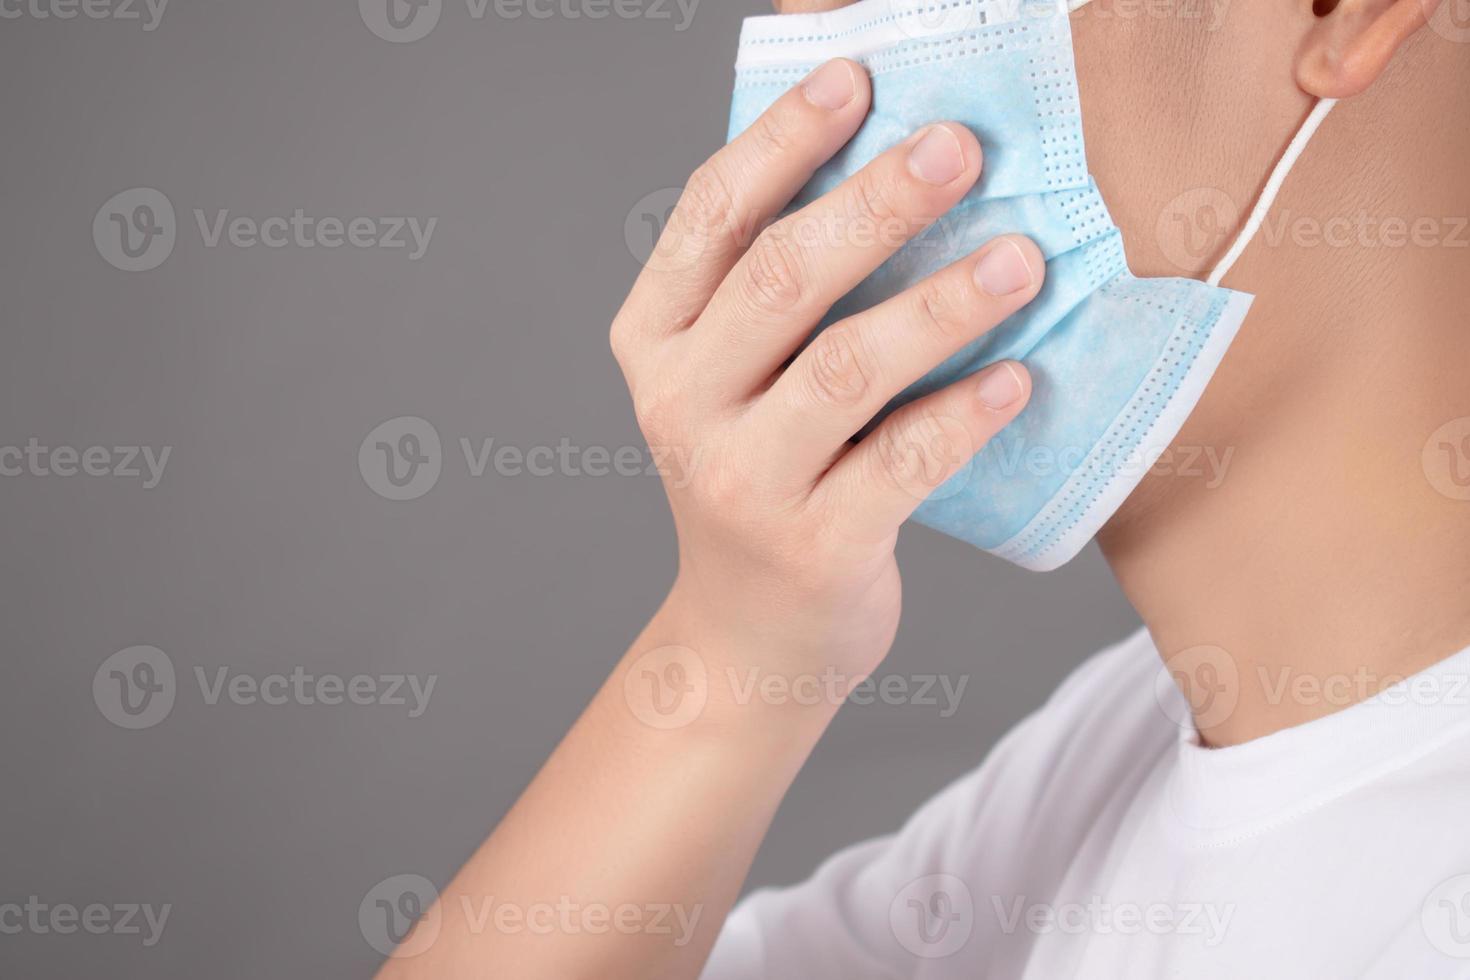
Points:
[(693, 670)]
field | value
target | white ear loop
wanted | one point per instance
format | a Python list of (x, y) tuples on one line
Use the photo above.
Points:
[(1273, 183), (1273, 187)]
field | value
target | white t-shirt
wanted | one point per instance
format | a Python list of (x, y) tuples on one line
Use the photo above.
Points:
[(1100, 841)]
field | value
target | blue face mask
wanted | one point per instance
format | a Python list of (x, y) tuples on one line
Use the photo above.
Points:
[(1117, 362)]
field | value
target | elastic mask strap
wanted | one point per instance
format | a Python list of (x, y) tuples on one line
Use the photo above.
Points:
[(1273, 187)]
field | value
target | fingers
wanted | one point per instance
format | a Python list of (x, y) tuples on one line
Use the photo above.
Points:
[(878, 484), (856, 366), (737, 191), (805, 262)]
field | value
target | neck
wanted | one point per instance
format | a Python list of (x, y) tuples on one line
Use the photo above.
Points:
[(1322, 537)]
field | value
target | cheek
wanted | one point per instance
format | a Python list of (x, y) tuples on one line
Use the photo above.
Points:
[(1135, 127), (1186, 105)]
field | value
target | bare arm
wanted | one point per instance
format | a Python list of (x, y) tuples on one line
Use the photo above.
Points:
[(625, 853)]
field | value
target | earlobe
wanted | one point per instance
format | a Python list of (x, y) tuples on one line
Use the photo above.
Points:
[(1351, 43)]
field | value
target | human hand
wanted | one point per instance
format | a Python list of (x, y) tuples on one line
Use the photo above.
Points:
[(786, 527)]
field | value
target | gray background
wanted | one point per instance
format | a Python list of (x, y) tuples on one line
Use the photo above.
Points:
[(264, 549)]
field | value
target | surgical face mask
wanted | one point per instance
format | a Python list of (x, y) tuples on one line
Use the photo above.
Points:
[(1117, 362)]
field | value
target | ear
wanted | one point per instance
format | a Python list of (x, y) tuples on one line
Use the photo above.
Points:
[(808, 6), (1352, 41)]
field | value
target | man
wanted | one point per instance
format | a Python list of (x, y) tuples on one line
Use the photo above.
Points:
[(1289, 809)]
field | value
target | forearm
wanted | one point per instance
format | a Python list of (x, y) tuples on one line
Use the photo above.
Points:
[(625, 853)]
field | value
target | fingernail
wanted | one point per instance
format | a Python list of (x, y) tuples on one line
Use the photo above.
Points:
[(999, 386), (1003, 269), (830, 86), (938, 157)]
